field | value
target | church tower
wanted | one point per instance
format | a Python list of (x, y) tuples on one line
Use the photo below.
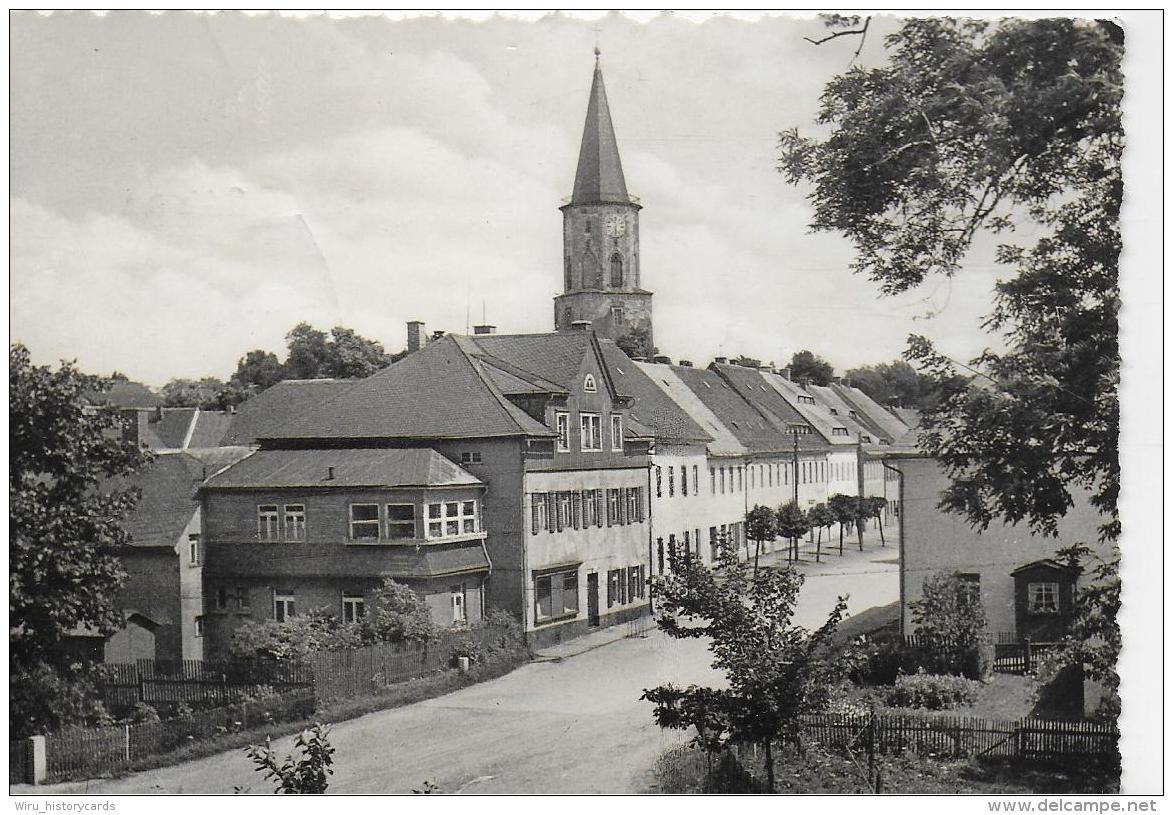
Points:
[(600, 237)]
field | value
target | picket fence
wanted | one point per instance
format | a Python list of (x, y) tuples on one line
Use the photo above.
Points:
[(962, 736), (86, 752), (195, 682), (1011, 656)]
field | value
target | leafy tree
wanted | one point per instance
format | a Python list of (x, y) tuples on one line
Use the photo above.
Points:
[(896, 383), (805, 365), (845, 508), (309, 353), (874, 507), (775, 671), (984, 126), (306, 774), (637, 343), (264, 642), (949, 614), (352, 356), (399, 614), (64, 534), (760, 525), (820, 517), (746, 362), (258, 369), (65, 527), (1093, 641), (792, 524), (203, 393)]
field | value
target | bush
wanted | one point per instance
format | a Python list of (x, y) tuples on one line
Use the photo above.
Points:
[(298, 775), (467, 647), (142, 713), (882, 662), (931, 692)]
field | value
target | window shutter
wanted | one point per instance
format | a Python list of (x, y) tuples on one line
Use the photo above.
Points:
[(610, 589), (551, 511), (610, 504), (639, 503), (623, 519), (535, 513), (576, 510), (560, 503)]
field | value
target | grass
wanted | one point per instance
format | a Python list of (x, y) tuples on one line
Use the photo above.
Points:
[(397, 695), (686, 770), (1003, 696)]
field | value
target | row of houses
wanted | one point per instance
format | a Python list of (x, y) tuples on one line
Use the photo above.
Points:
[(547, 474)]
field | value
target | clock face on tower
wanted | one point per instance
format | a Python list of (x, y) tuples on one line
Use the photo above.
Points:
[(616, 226)]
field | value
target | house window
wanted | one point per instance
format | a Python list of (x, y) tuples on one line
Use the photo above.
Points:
[(671, 481), (598, 507), (400, 521), (684, 480), (712, 481), (364, 522), (612, 507), (634, 504), (199, 626), (722, 480), (588, 384), (617, 314), (635, 583), (1042, 598), (838, 431), (470, 457), (696, 490), (616, 432), (283, 606), (565, 510), (459, 612), (452, 518), (538, 512), (592, 433), (562, 423), (221, 598), (243, 601), (267, 525), (556, 595), (295, 522), (969, 588), (354, 607), (659, 479), (616, 269), (193, 549)]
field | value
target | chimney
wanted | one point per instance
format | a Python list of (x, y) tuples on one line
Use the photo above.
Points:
[(785, 373), (720, 360), (581, 325), (685, 363), (834, 380), (846, 382), (484, 329), (662, 360), (806, 383), (417, 336), (158, 413)]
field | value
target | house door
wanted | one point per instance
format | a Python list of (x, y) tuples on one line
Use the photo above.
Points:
[(593, 599)]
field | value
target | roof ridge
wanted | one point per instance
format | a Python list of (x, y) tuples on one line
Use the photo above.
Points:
[(494, 391)]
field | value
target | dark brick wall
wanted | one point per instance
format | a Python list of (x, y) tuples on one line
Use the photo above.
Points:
[(152, 587)]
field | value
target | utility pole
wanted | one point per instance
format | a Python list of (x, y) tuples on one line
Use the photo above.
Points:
[(859, 481), (793, 545)]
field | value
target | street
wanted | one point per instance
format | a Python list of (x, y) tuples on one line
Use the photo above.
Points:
[(562, 724)]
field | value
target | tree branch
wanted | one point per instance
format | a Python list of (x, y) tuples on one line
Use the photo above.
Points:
[(861, 31)]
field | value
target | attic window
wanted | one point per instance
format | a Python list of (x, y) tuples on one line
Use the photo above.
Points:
[(865, 438), (806, 400), (620, 370), (588, 384), (834, 412), (470, 457), (707, 385), (838, 431)]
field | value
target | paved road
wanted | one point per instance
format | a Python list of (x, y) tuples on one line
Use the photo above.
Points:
[(569, 726)]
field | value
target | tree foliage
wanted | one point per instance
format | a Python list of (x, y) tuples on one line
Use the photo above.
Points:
[(974, 126), (775, 670), (896, 384), (806, 365), (949, 614), (65, 529), (637, 343)]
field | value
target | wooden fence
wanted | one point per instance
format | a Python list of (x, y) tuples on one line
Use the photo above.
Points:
[(355, 672), (195, 682), (1011, 656), (87, 752), (962, 736)]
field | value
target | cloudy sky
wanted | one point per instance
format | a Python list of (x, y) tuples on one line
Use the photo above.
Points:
[(186, 187)]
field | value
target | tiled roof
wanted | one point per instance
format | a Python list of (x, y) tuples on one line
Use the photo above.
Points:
[(399, 561), (757, 429), (910, 416), (168, 499), (887, 425), (269, 410), (276, 469), (125, 394), (828, 400), (651, 407), (166, 432), (436, 392), (211, 426), (818, 415), (215, 459), (555, 357), (666, 378), (751, 384)]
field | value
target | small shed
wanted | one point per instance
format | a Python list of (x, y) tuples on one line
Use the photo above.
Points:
[(1044, 599)]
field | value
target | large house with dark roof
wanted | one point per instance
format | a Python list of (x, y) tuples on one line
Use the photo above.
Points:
[(541, 449)]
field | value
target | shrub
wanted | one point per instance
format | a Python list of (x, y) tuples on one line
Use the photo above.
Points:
[(949, 614), (931, 692), (510, 635), (301, 775), (467, 647), (399, 614)]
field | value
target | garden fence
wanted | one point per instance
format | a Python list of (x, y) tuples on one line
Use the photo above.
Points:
[(196, 682), (1011, 656), (962, 736)]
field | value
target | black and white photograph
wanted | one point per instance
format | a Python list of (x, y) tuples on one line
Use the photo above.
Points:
[(586, 404)]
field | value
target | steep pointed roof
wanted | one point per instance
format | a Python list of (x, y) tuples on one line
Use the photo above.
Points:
[(600, 174)]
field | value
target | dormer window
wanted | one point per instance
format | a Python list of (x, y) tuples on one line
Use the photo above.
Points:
[(838, 431), (588, 384)]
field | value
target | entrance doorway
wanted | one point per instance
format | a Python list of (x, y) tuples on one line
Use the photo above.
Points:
[(593, 599)]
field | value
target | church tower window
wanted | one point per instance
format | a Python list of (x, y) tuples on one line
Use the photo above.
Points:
[(569, 283), (616, 269)]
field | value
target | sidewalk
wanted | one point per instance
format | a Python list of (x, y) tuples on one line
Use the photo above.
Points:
[(872, 549), (595, 639)]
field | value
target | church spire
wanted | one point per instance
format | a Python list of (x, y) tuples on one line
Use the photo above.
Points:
[(600, 174)]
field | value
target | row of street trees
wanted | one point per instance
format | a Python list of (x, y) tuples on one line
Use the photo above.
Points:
[(791, 523)]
